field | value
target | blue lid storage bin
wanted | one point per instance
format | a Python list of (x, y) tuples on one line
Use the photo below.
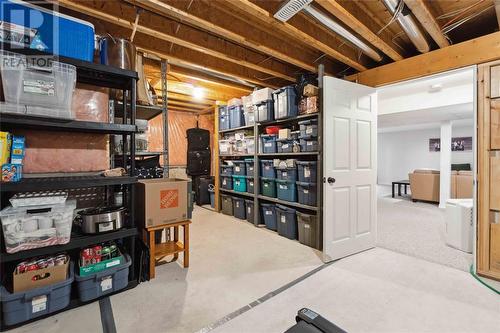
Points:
[(226, 182), (286, 190), (267, 169), (268, 143), (250, 185), (239, 168), (249, 166), (226, 170), (289, 174), (56, 33), (226, 204), (308, 143), (240, 183), (285, 103), (24, 305), (239, 208), (249, 210), (307, 229), (223, 111), (286, 220), (265, 111), (268, 215), (268, 187), (102, 283), (309, 127), (284, 146), (307, 171), (236, 116), (307, 193)]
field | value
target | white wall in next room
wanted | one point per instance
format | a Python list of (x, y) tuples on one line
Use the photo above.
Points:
[(401, 152)]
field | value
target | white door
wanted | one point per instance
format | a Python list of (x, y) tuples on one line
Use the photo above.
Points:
[(350, 168)]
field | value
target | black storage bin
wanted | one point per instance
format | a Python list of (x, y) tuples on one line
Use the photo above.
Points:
[(269, 215), (239, 208), (267, 169), (308, 144), (265, 111), (307, 193), (249, 165), (227, 204), (237, 117), (226, 170), (307, 225), (239, 168), (250, 211), (286, 220), (105, 282), (268, 142), (201, 185), (285, 103), (309, 127), (226, 182), (250, 185), (307, 171), (284, 146)]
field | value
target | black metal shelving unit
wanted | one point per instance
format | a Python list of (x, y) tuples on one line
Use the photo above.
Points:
[(97, 75)]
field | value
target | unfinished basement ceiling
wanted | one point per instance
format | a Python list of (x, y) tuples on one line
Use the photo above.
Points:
[(230, 46)]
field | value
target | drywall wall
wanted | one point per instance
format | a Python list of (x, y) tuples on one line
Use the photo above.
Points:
[(402, 152)]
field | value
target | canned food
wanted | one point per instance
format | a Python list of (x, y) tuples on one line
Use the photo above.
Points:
[(41, 263), (21, 267), (31, 266)]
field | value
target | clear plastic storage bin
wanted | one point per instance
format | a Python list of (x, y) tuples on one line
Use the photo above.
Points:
[(46, 90), (265, 111), (26, 228), (285, 104)]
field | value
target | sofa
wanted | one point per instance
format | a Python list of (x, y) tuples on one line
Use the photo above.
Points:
[(424, 185)]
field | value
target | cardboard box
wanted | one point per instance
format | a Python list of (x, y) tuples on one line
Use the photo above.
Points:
[(284, 133), (40, 277), (5, 145), (100, 266), (163, 201), (310, 90), (18, 149)]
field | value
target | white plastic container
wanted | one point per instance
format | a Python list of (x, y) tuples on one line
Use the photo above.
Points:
[(225, 147), (44, 86), (26, 228), (262, 95)]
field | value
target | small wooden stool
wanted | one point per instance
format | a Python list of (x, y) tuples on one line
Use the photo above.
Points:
[(172, 247)]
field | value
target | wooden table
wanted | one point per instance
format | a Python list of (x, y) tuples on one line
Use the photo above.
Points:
[(400, 183), (172, 247)]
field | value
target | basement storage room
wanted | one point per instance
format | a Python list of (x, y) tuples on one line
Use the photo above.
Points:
[(194, 165)]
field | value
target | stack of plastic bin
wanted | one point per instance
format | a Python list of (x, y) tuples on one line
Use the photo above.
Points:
[(269, 215), (239, 208), (224, 118), (237, 117), (285, 103), (268, 143), (306, 186), (309, 135), (286, 220)]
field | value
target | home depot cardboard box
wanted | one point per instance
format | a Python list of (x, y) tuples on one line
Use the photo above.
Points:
[(163, 201)]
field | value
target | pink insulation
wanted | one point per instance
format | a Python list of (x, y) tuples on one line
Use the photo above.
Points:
[(90, 103)]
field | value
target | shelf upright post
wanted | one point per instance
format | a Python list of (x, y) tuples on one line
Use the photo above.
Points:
[(256, 171), (133, 109), (164, 115), (319, 188)]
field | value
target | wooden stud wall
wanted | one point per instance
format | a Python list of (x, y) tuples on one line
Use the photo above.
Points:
[(488, 233)]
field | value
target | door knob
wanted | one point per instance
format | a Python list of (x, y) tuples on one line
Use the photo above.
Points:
[(331, 180)]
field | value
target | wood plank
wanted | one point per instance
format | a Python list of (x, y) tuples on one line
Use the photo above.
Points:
[(216, 158), (497, 11), (168, 248), (171, 38), (290, 30), (342, 14), (163, 8), (427, 20), (471, 52), (495, 124), (495, 182), (495, 247), (495, 81)]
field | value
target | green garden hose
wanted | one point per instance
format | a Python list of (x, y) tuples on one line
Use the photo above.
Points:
[(482, 282)]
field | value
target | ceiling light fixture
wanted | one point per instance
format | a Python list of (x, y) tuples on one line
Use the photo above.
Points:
[(198, 93), (292, 7)]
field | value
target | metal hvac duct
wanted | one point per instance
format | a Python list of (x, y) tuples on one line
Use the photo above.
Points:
[(407, 22), (292, 7)]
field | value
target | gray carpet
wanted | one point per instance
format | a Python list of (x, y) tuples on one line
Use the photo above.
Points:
[(416, 229)]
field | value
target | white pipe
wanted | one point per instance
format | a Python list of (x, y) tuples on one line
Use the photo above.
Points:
[(409, 26), (343, 32)]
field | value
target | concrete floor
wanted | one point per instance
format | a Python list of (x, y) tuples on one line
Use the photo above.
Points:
[(381, 291), (232, 263)]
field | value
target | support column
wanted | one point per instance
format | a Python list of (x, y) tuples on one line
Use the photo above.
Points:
[(445, 162)]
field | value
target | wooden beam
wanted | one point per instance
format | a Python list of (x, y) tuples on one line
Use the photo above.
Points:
[(497, 11), (265, 16), (427, 20), (343, 15), (187, 98), (475, 51), (165, 9), (191, 105), (167, 37)]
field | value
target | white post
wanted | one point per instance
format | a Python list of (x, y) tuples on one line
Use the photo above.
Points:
[(445, 161)]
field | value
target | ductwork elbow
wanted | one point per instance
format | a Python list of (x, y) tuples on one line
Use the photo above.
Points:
[(409, 26)]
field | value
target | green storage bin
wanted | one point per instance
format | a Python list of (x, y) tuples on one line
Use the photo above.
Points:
[(268, 187)]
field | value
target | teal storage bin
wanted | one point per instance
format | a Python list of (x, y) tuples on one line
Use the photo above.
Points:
[(286, 190), (240, 183), (268, 187)]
